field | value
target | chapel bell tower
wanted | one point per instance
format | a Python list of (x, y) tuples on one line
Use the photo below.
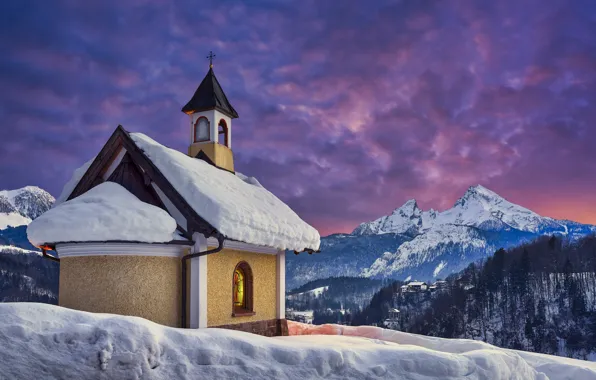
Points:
[(211, 117)]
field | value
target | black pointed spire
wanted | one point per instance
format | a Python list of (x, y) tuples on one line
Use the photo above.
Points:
[(209, 96)]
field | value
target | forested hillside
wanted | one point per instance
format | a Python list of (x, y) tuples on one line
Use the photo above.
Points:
[(25, 276), (332, 300), (15, 236), (537, 297)]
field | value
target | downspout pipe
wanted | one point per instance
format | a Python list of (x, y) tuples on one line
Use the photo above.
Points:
[(185, 258)]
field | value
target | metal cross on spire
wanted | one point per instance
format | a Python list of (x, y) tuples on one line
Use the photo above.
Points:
[(211, 56)]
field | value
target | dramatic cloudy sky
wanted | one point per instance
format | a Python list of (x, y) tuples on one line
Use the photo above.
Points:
[(347, 108)]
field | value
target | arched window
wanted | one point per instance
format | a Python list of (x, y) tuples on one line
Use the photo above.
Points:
[(242, 290), (222, 130), (202, 129)]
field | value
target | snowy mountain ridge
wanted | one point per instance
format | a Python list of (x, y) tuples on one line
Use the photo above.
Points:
[(478, 207), (425, 245), (455, 237), (19, 207)]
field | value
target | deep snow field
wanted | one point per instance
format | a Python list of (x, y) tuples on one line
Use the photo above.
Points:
[(39, 341)]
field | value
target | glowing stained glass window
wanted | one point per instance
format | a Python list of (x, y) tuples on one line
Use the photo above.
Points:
[(239, 287)]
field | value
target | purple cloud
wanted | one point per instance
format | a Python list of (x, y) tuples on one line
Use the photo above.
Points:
[(345, 111)]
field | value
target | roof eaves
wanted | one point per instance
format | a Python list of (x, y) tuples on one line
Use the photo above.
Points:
[(52, 246), (210, 95)]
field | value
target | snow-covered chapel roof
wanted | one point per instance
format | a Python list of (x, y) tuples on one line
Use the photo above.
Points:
[(236, 206), (106, 212)]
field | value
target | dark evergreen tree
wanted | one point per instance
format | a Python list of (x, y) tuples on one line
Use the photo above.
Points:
[(536, 297)]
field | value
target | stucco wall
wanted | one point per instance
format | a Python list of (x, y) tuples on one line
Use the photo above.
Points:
[(147, 287), (220, 268)]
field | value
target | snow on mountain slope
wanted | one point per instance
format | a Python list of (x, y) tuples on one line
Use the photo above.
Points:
[(12, 219), (17, 251), (483, 208), (9, 216), (478, 207), (408, 219), (425, 245), (313, 292), (480, 222), (19, 207), (49, 342), (341, 255), (431, 247)]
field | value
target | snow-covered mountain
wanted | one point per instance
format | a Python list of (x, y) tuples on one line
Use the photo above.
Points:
[(9, 217), (408, 219), (341, 255), (480, 222), (19, 207), (432, 244), (479, 207), (24, 274)]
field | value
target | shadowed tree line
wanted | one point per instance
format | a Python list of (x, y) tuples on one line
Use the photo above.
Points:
[(538, 297), (336, 298), (27, 277)]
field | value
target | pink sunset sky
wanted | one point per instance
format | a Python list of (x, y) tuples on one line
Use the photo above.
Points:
[(347, 109)]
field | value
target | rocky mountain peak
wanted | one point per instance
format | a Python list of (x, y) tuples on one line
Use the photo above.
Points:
[(479, 193), (29, 201), (479, 207), (408, 209), (406, 219), (5, 206)]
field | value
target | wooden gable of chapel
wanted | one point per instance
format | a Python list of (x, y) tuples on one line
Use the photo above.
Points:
[(129, 176), (136, 173)]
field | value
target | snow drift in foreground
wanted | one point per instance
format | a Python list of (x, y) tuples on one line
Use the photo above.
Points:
[(106, 212), (553, 367), (49, 342)]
